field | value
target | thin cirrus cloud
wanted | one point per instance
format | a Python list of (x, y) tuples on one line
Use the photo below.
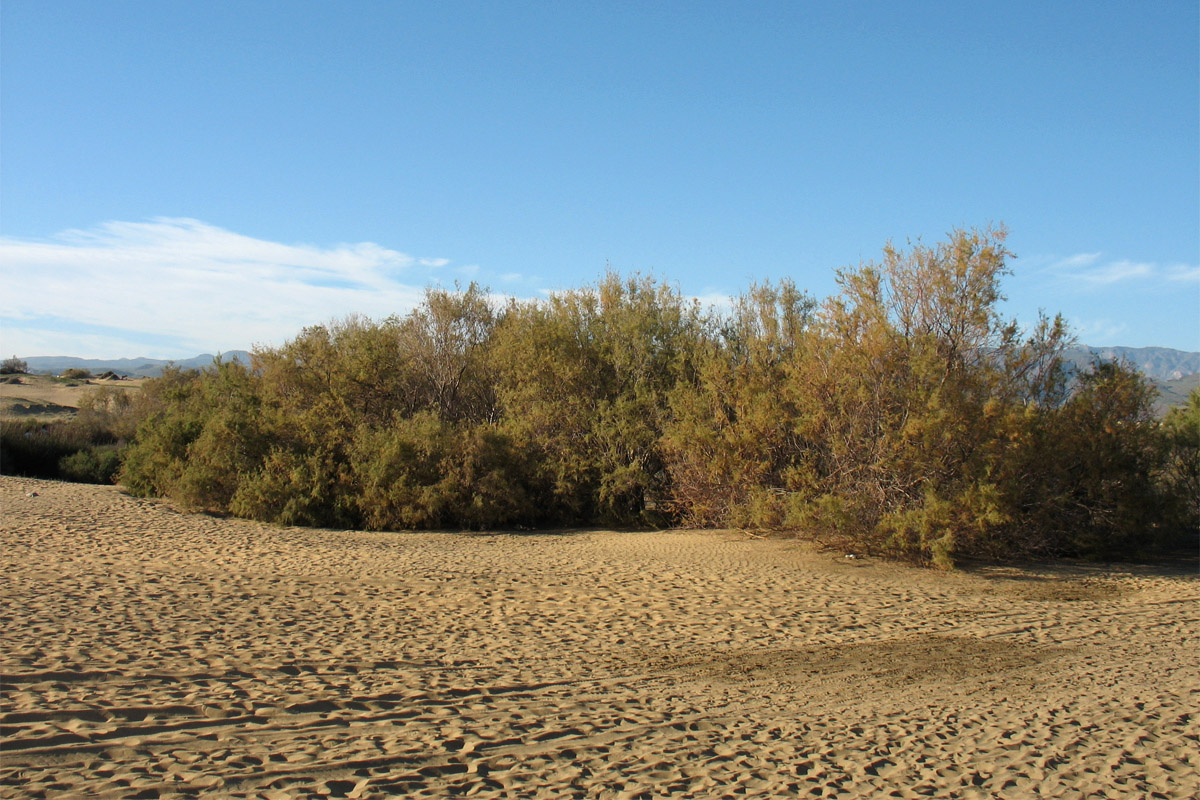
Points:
[(1098, 329), (186, 287), (1090, 270), (1182, 273)]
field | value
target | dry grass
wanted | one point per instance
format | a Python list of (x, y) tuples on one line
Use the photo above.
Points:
[(50, 398)]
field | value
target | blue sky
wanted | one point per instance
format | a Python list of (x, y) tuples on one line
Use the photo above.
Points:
[(182, 177)]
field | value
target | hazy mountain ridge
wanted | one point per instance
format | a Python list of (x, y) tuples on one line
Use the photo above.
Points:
[(129, 367), (1156, 363), (1175, 373), (1162, 365)]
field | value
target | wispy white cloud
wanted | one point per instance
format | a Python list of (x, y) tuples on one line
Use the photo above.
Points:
[(1091, 270), (1183, 273), (188, 287), (1078, 261), (1098, 331), (1115, 271)]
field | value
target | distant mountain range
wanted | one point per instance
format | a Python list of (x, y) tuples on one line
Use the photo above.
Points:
[(1174, 372), (129, 367), (1156, 363)]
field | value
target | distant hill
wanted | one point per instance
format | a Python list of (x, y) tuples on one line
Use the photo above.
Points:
[(1156, 363), (1175, 393), (129, 367), (1175, 373)]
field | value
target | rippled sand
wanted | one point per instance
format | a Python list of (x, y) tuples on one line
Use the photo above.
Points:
[(148, 653)]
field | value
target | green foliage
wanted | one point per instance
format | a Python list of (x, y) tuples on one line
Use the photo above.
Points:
[(86, 448), (295, 488), (733, 445), (915, 380), (903, 416), (1105, 490), (72, 450), (584, 380), (118, 412), (1181, 473), (426, 472), (13, 366), (200, 433), (76, 373), (91, 465), (866, 418), (906, 417)]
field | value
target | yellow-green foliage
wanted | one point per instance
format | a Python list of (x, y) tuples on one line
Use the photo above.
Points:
[(733, 443), (903, 416), (1181, 440), (85, 448), (584, 380)]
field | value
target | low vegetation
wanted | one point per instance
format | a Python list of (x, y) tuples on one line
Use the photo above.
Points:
[(86, 446), (13, 366), (903, 417)]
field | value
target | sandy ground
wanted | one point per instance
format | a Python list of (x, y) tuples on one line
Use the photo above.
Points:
[(148, 653), (42, 396)]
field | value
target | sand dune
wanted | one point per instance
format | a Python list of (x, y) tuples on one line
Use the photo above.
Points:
[(148, 653), (43, 396)]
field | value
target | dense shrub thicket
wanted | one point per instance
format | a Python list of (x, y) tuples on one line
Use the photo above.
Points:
[(903, 416), (86, 448), (13, 366), (58, 450)]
